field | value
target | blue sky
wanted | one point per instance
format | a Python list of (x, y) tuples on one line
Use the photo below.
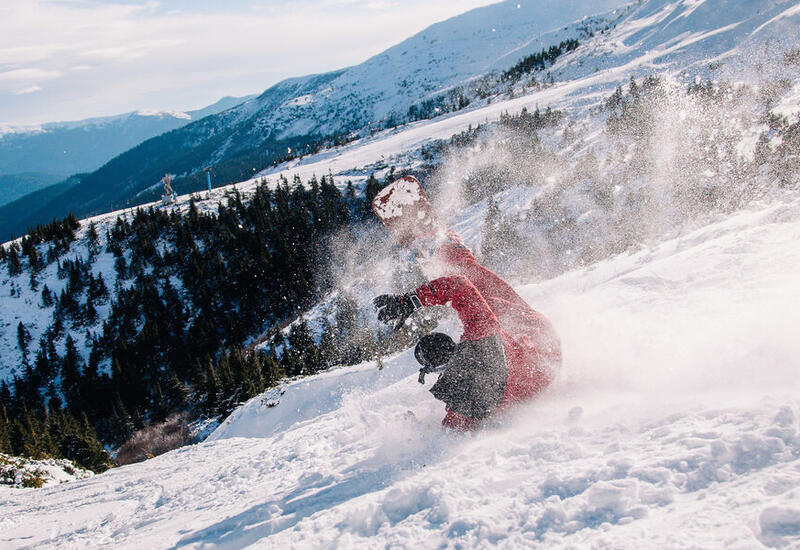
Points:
[(74, 59)]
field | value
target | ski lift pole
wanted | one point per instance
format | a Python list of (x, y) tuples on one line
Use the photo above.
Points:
[(208, 179), (169, 195)]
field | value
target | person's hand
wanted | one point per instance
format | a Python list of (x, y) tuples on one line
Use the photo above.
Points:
[(396, 308)]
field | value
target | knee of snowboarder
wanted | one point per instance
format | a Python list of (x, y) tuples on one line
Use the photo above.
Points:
[(473, 375)]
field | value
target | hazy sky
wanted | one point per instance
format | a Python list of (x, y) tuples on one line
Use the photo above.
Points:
[(74, 59)]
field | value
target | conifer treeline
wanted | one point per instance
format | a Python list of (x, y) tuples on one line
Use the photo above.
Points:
[(191, 289), (55, 434), (540, 60)]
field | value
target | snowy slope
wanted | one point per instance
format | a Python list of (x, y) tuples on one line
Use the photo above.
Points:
[(444, 55), (673, 425), (688, 39)]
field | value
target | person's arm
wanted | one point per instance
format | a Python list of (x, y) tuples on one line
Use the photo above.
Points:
[(473, 311), (461, 261)]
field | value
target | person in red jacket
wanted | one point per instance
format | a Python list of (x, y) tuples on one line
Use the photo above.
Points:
[(508, 352)]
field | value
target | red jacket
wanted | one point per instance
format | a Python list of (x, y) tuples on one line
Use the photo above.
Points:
[(487, 306)]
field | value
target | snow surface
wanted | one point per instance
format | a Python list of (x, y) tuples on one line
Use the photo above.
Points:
[(673, 425)]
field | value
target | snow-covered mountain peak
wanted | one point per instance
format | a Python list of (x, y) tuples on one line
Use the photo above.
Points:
[(174, 114), (446, 54), (628, 38), (471, 44), (68, 147)]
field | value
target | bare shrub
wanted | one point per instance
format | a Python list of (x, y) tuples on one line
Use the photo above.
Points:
[(155, 440)]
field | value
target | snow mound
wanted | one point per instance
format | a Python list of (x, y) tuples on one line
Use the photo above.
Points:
[(308, 398), (19, 472)]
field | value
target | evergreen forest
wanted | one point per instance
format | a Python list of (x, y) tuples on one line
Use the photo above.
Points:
[(191, 290)]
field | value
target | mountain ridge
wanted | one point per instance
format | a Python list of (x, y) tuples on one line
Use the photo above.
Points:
[(30, 149)]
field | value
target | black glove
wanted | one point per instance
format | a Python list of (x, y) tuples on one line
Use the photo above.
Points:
[(427, 370), (396, 307)]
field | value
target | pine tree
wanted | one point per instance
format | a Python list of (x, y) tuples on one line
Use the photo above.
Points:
[(177, 394), (23, 339), (228, 385), (5, 431), (371, 189), (5, 395), (121, 424), (42, 367), (13, 262), (247, 369), (27, 389), (327, 346), (93, 241), (47, 296), (71, 377), (90, 312), (160, 406), (211, 388), (33, 283), (302, 350), (100, 289), (271, 371), (29, 250), (54, 403)]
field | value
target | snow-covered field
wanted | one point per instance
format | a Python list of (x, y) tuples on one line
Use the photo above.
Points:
[(674, 424)]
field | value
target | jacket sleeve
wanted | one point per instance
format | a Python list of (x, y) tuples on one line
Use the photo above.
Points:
[(460, 261), (473, 311)]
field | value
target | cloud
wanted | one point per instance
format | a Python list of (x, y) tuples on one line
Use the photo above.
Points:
[(134, 50), (29, 90), (29, 79), (17, 75)]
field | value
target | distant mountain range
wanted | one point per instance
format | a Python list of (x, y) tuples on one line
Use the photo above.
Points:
[(14, 186), (35, 158), (66, 148)]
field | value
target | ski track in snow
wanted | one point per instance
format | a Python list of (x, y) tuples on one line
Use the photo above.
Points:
[(673, 425)]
